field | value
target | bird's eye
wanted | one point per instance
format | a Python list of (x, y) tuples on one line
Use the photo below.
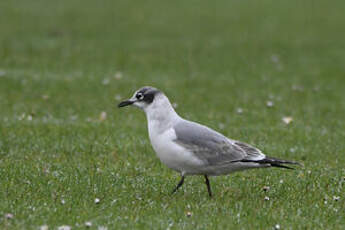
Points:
[(139, 96)]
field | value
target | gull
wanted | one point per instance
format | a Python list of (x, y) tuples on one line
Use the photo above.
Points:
[(191, 148)]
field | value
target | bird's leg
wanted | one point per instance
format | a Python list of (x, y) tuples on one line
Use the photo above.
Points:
[(178, 185), (208, 186)]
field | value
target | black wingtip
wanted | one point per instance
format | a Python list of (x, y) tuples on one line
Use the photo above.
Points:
[(281, 166), (273, 162)]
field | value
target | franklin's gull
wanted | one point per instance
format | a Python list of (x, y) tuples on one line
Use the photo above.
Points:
[(191, 148)]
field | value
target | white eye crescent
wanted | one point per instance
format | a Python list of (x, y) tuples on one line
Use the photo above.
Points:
[(139, 96)]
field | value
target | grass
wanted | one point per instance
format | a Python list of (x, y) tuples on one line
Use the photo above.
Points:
[(63, 63)]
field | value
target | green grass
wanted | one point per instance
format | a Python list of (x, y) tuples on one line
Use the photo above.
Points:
[(58, 62)]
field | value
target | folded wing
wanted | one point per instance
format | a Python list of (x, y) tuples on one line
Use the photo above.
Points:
[(212, 147)]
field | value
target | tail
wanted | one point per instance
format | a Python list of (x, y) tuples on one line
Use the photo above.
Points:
[(274, 162)]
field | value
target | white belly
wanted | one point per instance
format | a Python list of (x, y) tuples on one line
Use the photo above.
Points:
[(173, 155)]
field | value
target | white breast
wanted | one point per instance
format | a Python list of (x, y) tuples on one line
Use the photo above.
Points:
[(161, 118), (173, 155)]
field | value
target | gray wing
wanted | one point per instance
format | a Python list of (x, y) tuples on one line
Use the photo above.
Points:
[(212, 147)]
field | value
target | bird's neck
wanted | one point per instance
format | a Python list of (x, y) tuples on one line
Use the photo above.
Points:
[(161, 116)]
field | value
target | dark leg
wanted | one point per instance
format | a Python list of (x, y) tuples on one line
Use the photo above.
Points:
[(178, 185), (208, 186)]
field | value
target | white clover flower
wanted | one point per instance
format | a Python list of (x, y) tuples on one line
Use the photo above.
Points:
[(239, 110), (44, 227), (287, 120), (118, 75), (103, 116), (269, 104), (9, 216), (64, 227), (266, 188), (336, 198)]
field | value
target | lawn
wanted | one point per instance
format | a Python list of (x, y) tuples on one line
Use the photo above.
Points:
[(68, 156)]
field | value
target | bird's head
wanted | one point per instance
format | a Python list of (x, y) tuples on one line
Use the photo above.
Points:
[(144, 98)]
